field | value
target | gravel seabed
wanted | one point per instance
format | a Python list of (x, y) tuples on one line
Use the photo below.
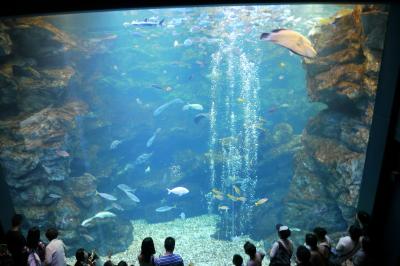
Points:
[(193, 242)]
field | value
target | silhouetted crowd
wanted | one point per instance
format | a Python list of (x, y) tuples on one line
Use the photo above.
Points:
[(353, 249)]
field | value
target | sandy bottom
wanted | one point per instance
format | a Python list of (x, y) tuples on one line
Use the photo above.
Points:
[(193, 242)]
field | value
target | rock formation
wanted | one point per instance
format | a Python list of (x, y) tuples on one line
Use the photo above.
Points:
[(328, 171)]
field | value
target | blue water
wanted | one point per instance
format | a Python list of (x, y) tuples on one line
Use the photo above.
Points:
[(210, 56)]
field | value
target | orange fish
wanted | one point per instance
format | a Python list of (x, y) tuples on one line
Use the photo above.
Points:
[(291, 40)]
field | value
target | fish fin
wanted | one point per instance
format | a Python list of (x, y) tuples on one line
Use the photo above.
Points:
[(296, 52), (264, 35), (277, 30), (169, 191), (161, 22)]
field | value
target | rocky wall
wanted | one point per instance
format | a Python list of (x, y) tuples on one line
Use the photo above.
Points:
[(38, 134), (325, 187)]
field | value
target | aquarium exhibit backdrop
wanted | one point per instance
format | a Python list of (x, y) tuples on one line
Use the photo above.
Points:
[(209, 124)]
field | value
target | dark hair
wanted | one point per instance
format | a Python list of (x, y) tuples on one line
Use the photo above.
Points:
[(363, 217), (80, 254), (303, 254), (277, 226), (284, 234), (320, 232), (51, 233), (122, 263), (148, 249), (17, 220), (250, 249), (311, 241), (237, 260), (169, 244), (108, 263), (33, 238), (355, 232)]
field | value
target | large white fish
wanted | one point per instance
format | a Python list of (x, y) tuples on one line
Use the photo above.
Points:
[(292, 40), (178, 191), (151, 140), (192, 106), (99, 215)]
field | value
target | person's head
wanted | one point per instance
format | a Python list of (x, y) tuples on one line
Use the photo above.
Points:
[(80, 255), (33, 237), (363, 218), (250, 249), (148, 249), (51, 233), (284, 232), (237, 260), (355, 232), (303, 255), (108, 263), (122, 263), (320, 233), (16, 220), (311, 241), (169, 244)]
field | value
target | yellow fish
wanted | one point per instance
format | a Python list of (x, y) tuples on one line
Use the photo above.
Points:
[(231, 197), (282, 65), (242, 199), (216, 191), (223, 208), (241, 100), (218, 196), (261, 201), (237, 190)]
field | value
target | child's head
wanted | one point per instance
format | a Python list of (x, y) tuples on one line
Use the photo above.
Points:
[(237, 260)]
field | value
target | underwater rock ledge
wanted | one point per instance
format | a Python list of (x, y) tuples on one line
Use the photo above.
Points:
[(328, 171)]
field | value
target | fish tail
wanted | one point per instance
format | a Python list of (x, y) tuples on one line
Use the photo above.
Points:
[(169, 191), (264, 35), (161, 22)]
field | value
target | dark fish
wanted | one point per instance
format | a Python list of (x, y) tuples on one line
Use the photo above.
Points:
[(291, 40), (157, 86), (201, 116)]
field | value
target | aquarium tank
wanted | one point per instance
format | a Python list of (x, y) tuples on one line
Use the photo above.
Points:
[(209, 124)]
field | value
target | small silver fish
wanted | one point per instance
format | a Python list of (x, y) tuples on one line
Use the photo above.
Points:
[(182, 215), (165, 208), (141, 159), (88, 238), (147, 170), (153, 137), (124, 188), (115, 144), (117, 206), (106, 196), (132, 196), (54, 196)]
